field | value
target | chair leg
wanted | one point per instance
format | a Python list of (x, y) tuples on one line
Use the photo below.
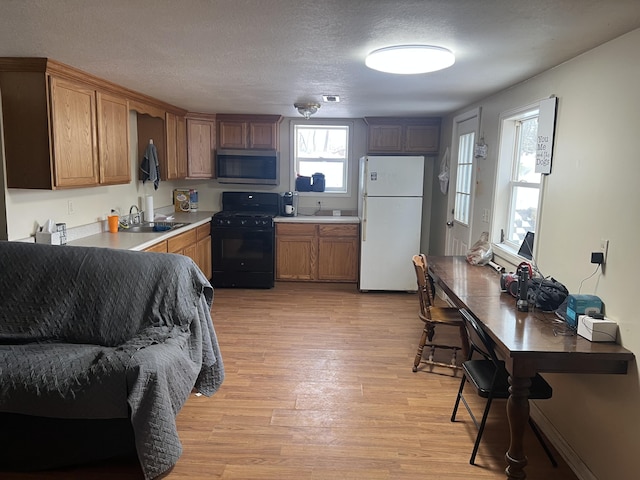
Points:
[(545, 447), (423, 340), (472, 460), (455, 407)]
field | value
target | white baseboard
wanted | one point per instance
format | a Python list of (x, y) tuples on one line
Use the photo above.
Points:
[(564, 449)]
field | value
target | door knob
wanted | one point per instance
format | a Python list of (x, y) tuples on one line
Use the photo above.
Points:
[(449, 224)]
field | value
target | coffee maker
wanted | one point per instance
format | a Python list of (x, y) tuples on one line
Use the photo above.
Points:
[(290, 204)]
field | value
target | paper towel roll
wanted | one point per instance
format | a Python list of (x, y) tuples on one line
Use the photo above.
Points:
[(148, 208)]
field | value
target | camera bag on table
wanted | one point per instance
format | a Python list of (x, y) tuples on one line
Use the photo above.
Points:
[(547, 294)]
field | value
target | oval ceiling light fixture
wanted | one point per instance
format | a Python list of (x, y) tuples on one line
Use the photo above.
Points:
[(306, 109), (410, 59)]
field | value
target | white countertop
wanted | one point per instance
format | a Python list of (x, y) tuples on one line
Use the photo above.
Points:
[(142, 240), (317, 219)]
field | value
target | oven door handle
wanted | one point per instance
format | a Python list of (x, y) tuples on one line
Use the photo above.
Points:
[(241, 229)]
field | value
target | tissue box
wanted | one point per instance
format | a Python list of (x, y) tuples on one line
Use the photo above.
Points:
[(596, 330), (54, 238), (581, 304)]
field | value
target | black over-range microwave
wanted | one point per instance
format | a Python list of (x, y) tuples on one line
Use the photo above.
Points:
[(248, 166)]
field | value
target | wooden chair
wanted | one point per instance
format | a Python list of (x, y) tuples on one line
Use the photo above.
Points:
[(432, 316), (491, 380)]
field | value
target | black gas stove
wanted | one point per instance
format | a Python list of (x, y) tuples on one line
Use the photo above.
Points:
[(243, 240), (242, 219)]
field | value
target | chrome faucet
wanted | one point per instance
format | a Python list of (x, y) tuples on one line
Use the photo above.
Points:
[(134, 219)]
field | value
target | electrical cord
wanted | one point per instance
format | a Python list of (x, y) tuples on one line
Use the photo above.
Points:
[(585, 279)]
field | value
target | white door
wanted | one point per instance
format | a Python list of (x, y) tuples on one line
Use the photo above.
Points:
[(390, 237), (461, 183)]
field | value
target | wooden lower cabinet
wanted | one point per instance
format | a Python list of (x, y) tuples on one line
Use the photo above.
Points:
[(195, 244), (203, 247), (317, 252), (338, 252), (160, 247), (296, 251)]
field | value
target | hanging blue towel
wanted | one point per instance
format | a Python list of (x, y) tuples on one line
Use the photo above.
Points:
[(150, 167)]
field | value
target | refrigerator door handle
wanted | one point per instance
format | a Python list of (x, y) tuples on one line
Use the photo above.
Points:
[(364, 218)]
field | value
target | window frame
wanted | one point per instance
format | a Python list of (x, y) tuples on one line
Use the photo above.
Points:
[(506, 181), (347, 162), (461, 196)]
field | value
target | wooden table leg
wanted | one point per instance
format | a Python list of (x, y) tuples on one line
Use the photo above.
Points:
[(518, 415)]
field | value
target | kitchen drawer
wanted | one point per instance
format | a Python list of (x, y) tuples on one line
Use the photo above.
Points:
[(160, 247), (182, 241), (295, 229), (335, 230), (203, 231)]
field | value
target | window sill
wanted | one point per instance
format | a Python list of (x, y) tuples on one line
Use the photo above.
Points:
[(506, 256)]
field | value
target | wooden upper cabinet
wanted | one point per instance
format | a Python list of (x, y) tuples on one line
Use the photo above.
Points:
[(61, 128), (422, 138), (256, 132), (113, 139), (181, 146), (201, 141), (73, 127), (170, 169), (263, 136), (385, 138), (175, 166), (232, 134), (390, 135)]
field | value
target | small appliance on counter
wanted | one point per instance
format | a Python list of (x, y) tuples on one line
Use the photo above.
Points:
[(290, 204)]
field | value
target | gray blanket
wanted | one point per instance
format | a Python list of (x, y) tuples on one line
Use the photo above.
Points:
[(100, 333)]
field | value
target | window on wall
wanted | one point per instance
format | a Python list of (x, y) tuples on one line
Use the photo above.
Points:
[(464, 174), (518, 186), (322, 148)]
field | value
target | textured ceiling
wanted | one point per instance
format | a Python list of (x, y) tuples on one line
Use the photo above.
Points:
[(261, 56)]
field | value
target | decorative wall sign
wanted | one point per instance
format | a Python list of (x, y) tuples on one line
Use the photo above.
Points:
[(546, 130)]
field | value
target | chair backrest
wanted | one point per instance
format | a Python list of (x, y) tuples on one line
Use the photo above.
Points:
[(421, 260), (479, 340), (423, 287)]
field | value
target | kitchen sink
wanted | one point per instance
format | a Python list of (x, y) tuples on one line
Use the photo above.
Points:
[(148, 227)]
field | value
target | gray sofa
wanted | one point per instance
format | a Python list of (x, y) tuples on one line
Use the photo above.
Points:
[(92, 336)]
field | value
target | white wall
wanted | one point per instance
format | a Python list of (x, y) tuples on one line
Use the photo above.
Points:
[(591, 194)]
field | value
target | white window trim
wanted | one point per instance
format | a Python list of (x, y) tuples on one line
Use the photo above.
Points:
[(506, 141), (292, 149)]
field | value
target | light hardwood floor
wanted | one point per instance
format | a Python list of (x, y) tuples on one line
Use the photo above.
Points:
[(319, 386)]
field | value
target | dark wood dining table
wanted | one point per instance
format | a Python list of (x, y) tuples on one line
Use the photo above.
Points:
[(529, 342)]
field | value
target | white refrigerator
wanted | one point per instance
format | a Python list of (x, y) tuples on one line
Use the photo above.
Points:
[(390, 207)]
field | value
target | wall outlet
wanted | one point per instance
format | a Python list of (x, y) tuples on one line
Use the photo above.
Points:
[(70, 209), (604, 248)]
